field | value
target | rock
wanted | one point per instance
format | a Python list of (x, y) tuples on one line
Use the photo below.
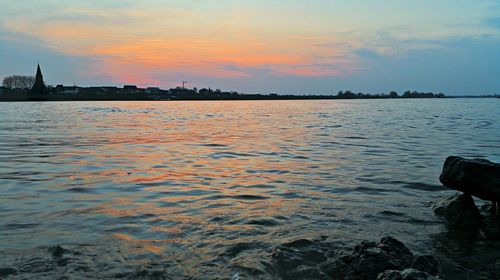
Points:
[(426, 263), (490, 223), (306, 259), (459, 210), (57, 251), (6, 271), (407, 274), (370, 259), (478, 177)]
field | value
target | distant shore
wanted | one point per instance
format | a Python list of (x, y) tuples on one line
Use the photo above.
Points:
[(133, 93)]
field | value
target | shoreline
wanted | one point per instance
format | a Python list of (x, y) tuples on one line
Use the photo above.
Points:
[(243, 99)]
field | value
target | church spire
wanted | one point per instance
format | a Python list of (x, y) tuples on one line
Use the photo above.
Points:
[(39, 73), (39, 86)]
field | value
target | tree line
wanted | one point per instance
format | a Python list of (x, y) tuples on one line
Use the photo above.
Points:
[(18, 82), (19, 85), (393, 94)]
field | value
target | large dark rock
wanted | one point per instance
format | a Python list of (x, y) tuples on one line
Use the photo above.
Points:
[(478, 177), (459, 210), (308, 259), (369, 259), (407, 274)]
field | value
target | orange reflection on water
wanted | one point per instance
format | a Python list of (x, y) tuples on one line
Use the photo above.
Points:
[(176, 172), (145, 244)]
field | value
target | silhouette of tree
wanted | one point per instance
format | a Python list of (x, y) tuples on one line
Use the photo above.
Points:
[(349, 94), (393, 94), (18, 82)]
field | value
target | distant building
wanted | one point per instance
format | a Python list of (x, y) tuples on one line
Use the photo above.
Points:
[(102, 90), (95, 90), (71, 90), (1, 89), (130, 88), (39, 86), (152, 90), (110, 89)]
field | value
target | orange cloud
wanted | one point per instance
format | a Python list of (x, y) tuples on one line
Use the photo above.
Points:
[(132, 55)]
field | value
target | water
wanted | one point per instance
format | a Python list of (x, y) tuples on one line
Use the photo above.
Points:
[(206, 190)]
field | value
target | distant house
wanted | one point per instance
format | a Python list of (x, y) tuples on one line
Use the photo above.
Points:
[(110, 89), (130, 88), (152, 90), (96, 90), (71, 90), (105, 90)]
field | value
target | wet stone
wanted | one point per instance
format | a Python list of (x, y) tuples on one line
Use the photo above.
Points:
[(370, 258), (57, 251), (478, 177), (459, 210), (306, 259)]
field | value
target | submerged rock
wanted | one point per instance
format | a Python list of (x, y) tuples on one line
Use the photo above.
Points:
[(459, 210), (57, 251), (478, 177), (369, 259), (407, 274)]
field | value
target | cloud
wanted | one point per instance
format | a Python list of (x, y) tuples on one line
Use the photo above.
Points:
[(244, 43), (118, 46), (20, 53)]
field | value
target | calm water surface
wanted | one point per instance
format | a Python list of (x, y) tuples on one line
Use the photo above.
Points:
[(206, 190)]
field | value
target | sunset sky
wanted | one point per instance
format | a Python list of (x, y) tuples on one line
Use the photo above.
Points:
[(259, 46)]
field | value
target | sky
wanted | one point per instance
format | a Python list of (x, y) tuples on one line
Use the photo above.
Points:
[(258, 46)]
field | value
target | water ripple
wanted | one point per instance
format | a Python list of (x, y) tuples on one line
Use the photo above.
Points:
[(205, 190)]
